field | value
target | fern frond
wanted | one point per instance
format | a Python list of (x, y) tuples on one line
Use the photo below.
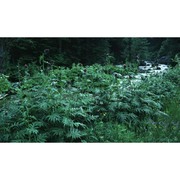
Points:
[(67, 122), (54, 117), (32, 130), (132, 116), (41, 137), (147, 110), (75, 133), (57, 131), (122, 116), (77, 124)]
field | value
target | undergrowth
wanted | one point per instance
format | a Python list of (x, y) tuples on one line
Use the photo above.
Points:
[(89, 104)]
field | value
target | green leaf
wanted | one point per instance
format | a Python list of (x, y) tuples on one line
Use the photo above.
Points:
[(54, 117), (67, 122), (57, 132), (75, 133), (77, 124), (32, 130)]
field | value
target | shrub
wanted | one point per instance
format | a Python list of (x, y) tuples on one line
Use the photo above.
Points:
[(109, 132), (81, 104), (41, 112), (165, 129), (160, 86), (173, 76), (5, 85)]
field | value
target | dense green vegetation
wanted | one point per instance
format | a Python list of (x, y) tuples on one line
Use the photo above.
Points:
[(65, 90), (88, 104)]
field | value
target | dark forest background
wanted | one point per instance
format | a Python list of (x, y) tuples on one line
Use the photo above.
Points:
[(87, 51)]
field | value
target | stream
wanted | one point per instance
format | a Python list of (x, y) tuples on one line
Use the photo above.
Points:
[(146, 71)]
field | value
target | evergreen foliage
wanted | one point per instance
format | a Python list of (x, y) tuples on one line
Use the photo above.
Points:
[(136, 49)]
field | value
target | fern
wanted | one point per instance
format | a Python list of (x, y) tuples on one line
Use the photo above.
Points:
[(75, 134), (122, 116), (57, 132), (68, 105), (32, 130), (54, 117), (67, 122), (77, 124)]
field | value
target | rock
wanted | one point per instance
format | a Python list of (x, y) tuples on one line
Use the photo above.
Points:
[(164, 60), (119, 66), (117, 75), (142, 63), (126, 77), (158, 68)]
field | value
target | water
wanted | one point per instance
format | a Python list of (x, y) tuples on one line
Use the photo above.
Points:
[(146, 71)]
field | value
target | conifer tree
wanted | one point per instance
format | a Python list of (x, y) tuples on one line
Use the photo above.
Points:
[(135, 48)]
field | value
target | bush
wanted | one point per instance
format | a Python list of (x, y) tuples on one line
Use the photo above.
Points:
[(81, 104), (109, 132), (165, 129), (41, 112), (173, 76), (5, 85), (160, 86), (164, 86)]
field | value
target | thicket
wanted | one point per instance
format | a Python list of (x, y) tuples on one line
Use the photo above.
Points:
[(89, 104)]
